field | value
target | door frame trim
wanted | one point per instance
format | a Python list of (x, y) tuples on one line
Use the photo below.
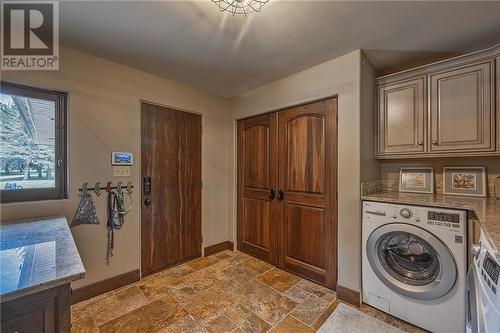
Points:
[(139, 161)]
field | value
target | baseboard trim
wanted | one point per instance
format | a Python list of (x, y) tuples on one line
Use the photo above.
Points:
[(348, 295), (101, 287), (213, 249)]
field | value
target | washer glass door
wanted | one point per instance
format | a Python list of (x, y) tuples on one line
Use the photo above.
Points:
[(411, 261)]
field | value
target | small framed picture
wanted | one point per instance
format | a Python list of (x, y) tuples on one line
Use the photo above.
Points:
[(470, 181), (416, 179), (122, 158)]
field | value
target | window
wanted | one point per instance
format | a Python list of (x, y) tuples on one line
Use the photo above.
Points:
[(32, 144)]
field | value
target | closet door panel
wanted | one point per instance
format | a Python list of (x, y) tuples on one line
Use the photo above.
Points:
[(307, 177), (256, 180)]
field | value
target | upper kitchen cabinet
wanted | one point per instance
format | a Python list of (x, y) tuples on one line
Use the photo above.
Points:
[(401, 117), (445, 109), (462, 109)]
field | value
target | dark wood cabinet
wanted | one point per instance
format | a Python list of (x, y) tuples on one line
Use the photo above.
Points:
[(287, 189), (43, 312)]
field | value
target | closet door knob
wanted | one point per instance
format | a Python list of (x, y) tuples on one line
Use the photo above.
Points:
[(420, 143), (271, 194), (281, 195), (435, 143)]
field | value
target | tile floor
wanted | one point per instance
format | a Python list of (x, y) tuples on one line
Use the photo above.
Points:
[(226, 292)]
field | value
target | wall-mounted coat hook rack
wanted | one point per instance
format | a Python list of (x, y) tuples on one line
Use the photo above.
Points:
[(98, 188)]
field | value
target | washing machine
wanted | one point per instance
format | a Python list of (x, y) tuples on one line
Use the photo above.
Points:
[(414, 264)]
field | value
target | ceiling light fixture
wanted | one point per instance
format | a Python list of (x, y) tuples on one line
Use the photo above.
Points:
[(241, 7)]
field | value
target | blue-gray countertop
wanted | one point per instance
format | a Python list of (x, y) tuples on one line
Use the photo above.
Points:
[(36, 255)]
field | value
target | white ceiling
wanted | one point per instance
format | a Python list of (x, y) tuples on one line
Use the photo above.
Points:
[(191, 42)]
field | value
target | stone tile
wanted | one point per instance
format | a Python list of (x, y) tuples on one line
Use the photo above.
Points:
[(324, 316), (84, 325), (223, 255), (237, 313), (264, 301), (177, 271), (187, 324), (258, 266), (228, 285), (254, 324), (320, 291), (297, 294), (183, 294), (149, 318), (154, 288), (209, 303), (278, 279), (310, 310), (236, 258), (220, 324), (128, 299), (291, 325), (241, 273), (91, 306), (201, 263), (247, 270)]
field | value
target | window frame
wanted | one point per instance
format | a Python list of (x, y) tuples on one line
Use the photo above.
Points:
[(60, 191)]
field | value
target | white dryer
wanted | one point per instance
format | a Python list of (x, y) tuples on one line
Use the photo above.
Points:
[(414, 264)]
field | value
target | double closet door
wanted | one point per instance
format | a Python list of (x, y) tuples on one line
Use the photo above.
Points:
[(287, 205)]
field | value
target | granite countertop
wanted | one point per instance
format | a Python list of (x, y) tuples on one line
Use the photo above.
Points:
[(485, 210), (36, 255)]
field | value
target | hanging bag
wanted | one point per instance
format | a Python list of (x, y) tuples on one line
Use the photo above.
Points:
[(86, 212)]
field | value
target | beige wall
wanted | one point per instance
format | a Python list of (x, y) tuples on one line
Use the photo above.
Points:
[(104, 117), (390, 169), (370, 167), (339, 76)]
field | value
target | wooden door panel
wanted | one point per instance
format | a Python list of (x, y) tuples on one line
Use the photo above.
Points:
[(462, 109), (305, 231), (171, 156), (256, 140), (306, 152), (256, 177), (307, 174), (401, 117), (256, 222)]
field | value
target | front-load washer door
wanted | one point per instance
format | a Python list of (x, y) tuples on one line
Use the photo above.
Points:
[(411, 261)]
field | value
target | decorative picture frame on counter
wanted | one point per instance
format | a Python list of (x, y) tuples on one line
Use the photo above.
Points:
[(467, 181), (416, 179)]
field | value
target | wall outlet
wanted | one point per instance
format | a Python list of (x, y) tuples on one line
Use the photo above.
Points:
[(121, 171)]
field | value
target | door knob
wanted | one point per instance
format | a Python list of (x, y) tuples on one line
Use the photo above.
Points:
[(420, 143), (271, 194), (435, 143), (281, 195)]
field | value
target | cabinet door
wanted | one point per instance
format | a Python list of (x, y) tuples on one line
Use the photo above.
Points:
[(461, 110), (401, 117), (256, 183), (307, 139)]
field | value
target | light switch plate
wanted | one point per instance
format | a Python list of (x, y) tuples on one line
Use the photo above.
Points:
[(121, 171)]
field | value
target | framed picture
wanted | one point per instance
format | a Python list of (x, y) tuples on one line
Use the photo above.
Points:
[(122, 158), (470, 181), (416, 179)]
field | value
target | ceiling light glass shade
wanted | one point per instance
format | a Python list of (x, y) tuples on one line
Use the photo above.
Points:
[(243, 7)]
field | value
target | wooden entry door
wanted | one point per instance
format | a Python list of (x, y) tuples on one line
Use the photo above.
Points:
[(257, 179), (307, 181), (171, 213)]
